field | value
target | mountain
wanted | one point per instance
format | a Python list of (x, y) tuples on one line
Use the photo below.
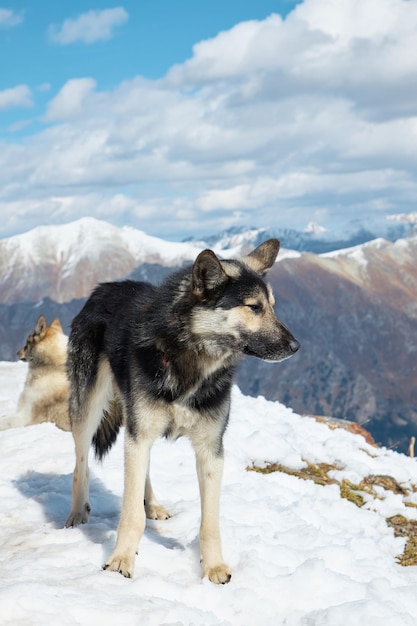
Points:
[(354, 311), (315, 238), (355, 314), (66, 262)]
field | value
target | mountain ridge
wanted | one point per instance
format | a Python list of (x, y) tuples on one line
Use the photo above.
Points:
[(353, 309), (66, 261)]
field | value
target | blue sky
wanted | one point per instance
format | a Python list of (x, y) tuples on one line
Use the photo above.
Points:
[(184, 118), (147, 40)]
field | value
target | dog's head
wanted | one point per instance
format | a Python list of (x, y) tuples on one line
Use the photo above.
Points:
[(236, 306), (47, 344)]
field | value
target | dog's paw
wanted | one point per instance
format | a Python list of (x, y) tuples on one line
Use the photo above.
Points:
[(220, 574), (78, 517), (157, 511), (122, 564)]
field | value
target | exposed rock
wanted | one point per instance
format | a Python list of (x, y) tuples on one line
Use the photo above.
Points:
[(352, 427)]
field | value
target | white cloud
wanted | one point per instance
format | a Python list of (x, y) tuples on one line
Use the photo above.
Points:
[(19, 96), (405, 218), (362, 50), (9, 18), (69, 100), (266, 191), (89, 27)]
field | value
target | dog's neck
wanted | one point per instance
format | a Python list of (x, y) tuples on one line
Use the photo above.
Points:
[(182, 375)]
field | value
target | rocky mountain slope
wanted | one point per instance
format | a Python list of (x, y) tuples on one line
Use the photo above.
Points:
[(354, 311)]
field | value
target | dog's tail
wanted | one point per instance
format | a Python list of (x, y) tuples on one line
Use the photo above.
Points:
[(106, 433), (90, 377)]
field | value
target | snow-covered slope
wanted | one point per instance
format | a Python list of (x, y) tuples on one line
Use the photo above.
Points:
[(87, 237), (376, 266), (65, 262), (315, 238), (301, 555)]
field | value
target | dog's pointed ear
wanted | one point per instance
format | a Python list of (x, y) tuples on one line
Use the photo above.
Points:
[(56, 324), (208, 274), (263, 257), (40, 328)]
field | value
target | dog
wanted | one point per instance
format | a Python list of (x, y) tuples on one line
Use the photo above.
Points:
[(161, 361), (45, 396)]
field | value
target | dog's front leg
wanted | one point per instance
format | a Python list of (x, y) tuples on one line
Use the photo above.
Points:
[(210, 471), (132, 519)]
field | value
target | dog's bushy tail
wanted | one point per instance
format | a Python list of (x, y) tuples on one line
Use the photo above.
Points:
[(106, 433), (85, 358)]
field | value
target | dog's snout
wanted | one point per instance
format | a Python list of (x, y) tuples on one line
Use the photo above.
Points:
[(294, 345)]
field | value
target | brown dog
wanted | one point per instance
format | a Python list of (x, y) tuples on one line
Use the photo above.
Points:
[(46, 391)]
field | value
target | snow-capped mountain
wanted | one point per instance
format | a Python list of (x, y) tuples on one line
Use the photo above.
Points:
[(315, 238), (355, 313), (353, 309), (67, 261)]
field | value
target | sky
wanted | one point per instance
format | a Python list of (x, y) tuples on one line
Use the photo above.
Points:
[(187, 118)]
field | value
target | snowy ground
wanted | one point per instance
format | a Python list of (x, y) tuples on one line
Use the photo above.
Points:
[(300, 554)]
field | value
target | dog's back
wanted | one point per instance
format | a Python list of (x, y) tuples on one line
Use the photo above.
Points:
[(46, 391)]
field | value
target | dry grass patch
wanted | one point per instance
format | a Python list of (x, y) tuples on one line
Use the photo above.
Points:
[(359, 494)]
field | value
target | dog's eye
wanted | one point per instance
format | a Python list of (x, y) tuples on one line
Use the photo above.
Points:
[(255, 308)]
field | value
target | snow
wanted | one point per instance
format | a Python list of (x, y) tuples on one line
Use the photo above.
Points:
[(314, 229), (88, 238), (358, 253), (300, 555)]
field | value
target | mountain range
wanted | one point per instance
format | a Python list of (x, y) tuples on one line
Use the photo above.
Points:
[(353, 308)]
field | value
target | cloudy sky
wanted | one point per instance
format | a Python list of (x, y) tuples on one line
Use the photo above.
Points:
[(185, 118)]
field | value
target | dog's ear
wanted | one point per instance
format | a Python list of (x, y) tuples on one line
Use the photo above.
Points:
[(263, 257), (40, 328), (208, 274), (56, 324)]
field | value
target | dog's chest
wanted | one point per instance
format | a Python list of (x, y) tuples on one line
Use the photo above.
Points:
[(181, 420)]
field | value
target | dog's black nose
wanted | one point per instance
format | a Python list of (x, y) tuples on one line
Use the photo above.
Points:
[(294, 345)]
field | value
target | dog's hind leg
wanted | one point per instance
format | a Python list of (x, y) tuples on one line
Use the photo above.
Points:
[(84, 422), (210, 470), (132, 518), (80, 510), (153, 509)]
